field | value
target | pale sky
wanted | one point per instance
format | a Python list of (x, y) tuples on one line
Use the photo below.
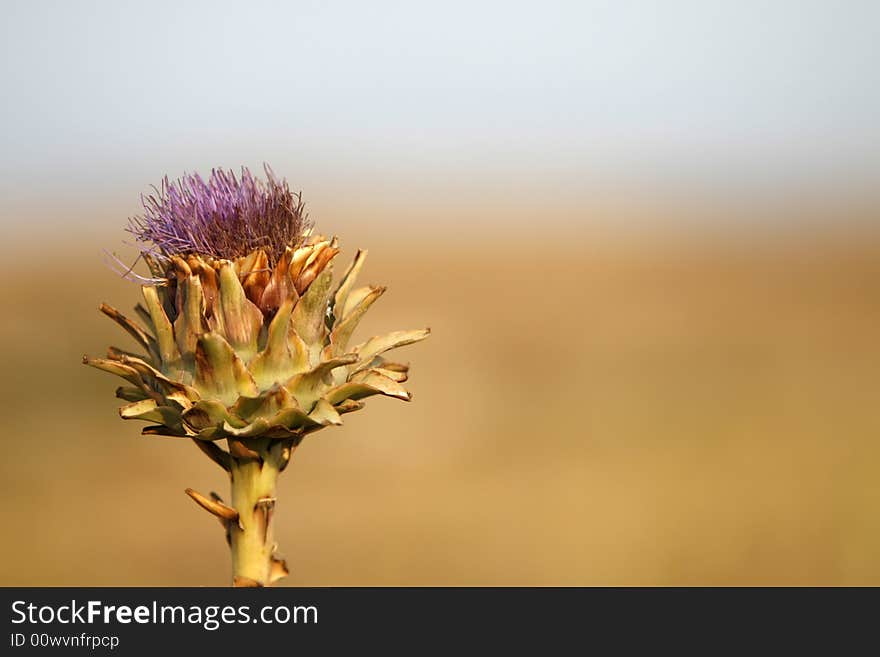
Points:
[(102, 96)]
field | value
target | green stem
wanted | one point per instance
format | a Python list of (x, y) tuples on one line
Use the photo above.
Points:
[(251, 539)]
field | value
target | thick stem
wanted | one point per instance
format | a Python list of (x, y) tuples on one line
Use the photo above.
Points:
[(251, 539)]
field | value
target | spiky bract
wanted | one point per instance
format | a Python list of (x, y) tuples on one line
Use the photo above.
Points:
[(240, 350)]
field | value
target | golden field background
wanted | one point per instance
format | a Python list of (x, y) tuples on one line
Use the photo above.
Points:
[(645, 236), (590, 409)]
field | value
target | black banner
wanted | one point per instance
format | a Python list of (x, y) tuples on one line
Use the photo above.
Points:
[(244, 621)]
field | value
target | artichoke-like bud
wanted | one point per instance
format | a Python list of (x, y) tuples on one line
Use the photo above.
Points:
[(254, 350), (234, 349)]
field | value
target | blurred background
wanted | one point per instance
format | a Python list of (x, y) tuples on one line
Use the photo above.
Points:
[(645, 236)]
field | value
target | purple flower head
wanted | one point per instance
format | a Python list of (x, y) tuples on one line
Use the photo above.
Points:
[(223, 217)]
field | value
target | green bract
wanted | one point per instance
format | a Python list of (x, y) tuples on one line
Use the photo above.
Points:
[(218, 362)]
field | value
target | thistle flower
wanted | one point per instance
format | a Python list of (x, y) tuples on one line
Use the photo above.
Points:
[(245, 340)]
